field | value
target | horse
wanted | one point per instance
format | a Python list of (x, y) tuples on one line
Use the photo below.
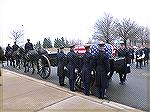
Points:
[(2, 56), (32, 57), (8, 55), (17, 56)]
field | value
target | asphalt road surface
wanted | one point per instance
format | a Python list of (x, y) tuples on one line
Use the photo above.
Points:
[(135, 92)]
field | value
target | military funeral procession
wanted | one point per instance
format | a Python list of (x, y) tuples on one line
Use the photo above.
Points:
[(68, 62)]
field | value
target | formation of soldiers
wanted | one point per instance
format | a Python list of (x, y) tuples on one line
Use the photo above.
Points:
[(98, 62), (140, 55), (69, 63), (28, 46)]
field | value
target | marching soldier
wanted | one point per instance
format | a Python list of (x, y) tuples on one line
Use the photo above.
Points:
[(139, 59), (15, 47), (86, 70), (28, 46), (72, 59), (124, 53), (61, 58), (146, 52), (101, 65)]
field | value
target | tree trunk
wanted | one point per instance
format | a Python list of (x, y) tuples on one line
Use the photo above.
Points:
[(130, 42), (125, 42), (142, 42), (135, 42)]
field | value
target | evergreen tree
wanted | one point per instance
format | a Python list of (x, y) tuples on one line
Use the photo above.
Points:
[(47, 43), (38, 45), (57, 43)]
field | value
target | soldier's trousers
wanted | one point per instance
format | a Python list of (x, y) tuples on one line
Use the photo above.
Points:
[(72, 84), (86, 86), (61, 80), (122, 77), (101, 92)]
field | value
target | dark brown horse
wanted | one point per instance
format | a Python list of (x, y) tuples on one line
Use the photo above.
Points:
[(32, 57), (2, 56)]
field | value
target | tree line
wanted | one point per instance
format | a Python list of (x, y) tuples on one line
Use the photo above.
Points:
[(58, 42), (108, 28)]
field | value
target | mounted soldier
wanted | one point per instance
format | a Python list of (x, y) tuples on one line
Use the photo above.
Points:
[(28, 46), (15, 47)]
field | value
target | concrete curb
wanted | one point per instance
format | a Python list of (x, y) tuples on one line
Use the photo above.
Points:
[(117, 106)]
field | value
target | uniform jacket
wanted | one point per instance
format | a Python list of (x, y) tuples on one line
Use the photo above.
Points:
[(87, 66), (73, 63), (61, 59), (101, 64)]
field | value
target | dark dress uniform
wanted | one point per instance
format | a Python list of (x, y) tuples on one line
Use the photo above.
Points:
[(124, 52), (86, 71), (72, 59), (28, 46), (131, 50), (138, 54), (15, 47), (101, 65), (61, 59), (146, 58), (8, 48)]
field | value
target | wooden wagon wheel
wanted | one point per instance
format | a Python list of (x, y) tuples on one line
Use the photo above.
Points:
[(44, 67)]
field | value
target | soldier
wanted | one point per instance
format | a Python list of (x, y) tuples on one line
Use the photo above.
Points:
[(131, 50), (28, 46), (15, 47), (86, 70), (72, 59), (61, 59), (139, 54), (101, 65), (124, 53), (146, 52), (8, 48)]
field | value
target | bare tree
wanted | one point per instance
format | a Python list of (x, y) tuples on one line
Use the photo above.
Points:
[(105, 28), (127, 29), (73, 41), (17, 35)]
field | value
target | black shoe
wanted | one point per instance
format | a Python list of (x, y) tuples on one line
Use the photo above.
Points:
[(122, 83), (62, 84)]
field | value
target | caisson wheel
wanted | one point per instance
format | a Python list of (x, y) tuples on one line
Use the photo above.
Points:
[(44, 67)]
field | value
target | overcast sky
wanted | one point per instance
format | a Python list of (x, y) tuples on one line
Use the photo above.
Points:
[(71, 19)]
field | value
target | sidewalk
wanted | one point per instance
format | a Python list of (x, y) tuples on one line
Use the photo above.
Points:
[(20, 93)]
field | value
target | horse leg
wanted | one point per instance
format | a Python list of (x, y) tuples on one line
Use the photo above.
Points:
[(10, 61), (38, 68), (28, 66), (33, 68), (7, 61)]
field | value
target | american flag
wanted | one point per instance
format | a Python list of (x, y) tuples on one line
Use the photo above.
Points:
[(109, 49)]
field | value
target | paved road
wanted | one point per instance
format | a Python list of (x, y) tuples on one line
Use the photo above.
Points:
[(134, 93)]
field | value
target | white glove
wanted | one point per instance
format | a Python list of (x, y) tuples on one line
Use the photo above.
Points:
[(65, 68), (108, 73), (92, 72), (76, 71), (128, 65)]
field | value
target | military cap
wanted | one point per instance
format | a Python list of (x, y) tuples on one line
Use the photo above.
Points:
[(72, 46), (61, 47), (86, 46), (101, 43), (28, 39), (121, 42)]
